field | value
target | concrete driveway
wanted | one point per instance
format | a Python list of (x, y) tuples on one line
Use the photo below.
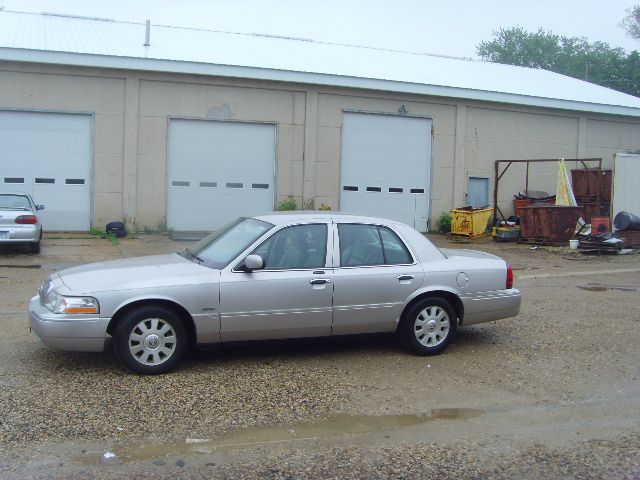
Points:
[(553, 393)]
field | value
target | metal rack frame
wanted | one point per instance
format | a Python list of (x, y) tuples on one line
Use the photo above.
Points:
[(499, 175)]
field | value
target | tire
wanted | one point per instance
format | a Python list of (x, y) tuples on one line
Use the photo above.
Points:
[(34, 247), (429, 326), (151, 340)]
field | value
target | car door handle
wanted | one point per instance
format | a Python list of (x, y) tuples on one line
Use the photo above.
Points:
[(319, 281), (404, 277)]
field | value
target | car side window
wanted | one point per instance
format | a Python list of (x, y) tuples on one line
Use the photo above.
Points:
[(360, 245), (367, 245), (299, 246), (395, 251)]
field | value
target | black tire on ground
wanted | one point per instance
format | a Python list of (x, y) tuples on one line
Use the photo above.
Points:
[(424, 330), (35, 247), (151, 340)]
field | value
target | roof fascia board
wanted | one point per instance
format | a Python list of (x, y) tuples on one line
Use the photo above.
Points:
[(195, 68)]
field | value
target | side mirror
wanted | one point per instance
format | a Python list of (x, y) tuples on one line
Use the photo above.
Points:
[(253, 262), (39, 207)]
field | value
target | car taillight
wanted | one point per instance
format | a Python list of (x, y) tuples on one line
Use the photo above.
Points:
[(509, 277), (26, 219)]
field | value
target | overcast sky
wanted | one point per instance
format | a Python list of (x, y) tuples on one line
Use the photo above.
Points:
[(451, 27)]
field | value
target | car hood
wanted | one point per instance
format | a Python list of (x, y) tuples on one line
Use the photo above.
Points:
[(134, 273)]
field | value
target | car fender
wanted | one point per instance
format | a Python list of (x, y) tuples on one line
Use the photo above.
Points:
[(147, 297), (428, 289), (206, 320)]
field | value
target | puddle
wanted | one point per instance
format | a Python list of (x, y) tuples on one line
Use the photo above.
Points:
[(332, 427), (597, 287)]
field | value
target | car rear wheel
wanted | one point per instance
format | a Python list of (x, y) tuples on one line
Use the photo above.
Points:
[(151, 340), (35, 247), (429, 326)]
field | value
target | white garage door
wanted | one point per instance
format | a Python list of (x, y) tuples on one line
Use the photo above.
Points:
[(385, 167), (48, 155), (218, 171)]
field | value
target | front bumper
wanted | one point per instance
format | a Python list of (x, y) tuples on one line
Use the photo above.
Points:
[(488, 306), (77, 333), (20, 233)]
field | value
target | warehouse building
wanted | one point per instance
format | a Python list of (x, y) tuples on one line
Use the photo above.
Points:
[(178, 128)]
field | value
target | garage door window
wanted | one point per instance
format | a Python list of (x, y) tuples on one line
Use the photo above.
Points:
[(298, 247), (367, 245)]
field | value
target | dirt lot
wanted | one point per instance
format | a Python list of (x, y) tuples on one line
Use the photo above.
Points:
[(553, 393)]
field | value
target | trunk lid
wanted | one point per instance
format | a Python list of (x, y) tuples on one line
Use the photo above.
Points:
[(453, 252), (8, 215)]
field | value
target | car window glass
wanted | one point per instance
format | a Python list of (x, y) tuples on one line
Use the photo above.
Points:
[(219, 248), (395, 251), (300, 246), (360, 245), (18, 202)]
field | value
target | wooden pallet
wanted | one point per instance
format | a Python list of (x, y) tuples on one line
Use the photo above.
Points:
[(535, 240), (631, 238), (592, 246), (457, 238)]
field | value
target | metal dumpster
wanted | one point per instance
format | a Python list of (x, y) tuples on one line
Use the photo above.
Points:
[(470, 222), (548, 224)]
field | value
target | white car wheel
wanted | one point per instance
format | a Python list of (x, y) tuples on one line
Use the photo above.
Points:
[(151, 340), (429, 325)]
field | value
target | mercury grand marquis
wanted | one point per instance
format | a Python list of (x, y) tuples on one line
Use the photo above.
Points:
[(273, 276)]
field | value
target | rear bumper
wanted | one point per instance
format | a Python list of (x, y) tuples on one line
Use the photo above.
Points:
[(488, 306), (20, 233), (60, 332)]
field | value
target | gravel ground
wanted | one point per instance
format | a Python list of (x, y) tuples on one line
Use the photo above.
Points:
[(553, 393)]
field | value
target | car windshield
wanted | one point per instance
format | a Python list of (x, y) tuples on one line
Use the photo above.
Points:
[(217, 249), (14, 202)]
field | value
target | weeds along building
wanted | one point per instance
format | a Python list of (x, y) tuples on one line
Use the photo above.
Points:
[(179, 128)]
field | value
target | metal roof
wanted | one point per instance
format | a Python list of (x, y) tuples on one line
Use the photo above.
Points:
[(92, 42)]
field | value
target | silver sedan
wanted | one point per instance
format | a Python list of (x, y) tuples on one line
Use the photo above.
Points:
[(275, 276), (18, 220)]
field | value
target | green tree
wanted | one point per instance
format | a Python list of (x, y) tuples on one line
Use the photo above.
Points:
[(631, 23), (573, 56)]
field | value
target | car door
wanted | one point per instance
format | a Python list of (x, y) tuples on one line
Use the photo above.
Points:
[(375, 273), (290, 297)]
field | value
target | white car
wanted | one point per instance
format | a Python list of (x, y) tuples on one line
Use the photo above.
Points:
[(18, 220), (271, 276)]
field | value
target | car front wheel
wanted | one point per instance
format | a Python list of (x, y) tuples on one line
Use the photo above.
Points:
[(151, 340), (429, 326)]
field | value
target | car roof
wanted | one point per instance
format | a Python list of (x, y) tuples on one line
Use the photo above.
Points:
[(15, 193), (280, 218), (19, 194)]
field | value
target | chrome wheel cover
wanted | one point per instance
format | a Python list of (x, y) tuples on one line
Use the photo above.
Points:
[(432, 326), (152, 341)]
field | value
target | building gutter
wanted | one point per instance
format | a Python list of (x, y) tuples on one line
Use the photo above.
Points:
[(257, 73)]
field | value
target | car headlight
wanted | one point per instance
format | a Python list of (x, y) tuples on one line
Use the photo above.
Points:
[(60, 304)]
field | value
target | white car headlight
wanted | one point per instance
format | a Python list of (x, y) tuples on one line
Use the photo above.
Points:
[(60, 304)]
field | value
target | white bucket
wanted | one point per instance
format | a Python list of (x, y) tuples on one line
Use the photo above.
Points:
[(573, 244)]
